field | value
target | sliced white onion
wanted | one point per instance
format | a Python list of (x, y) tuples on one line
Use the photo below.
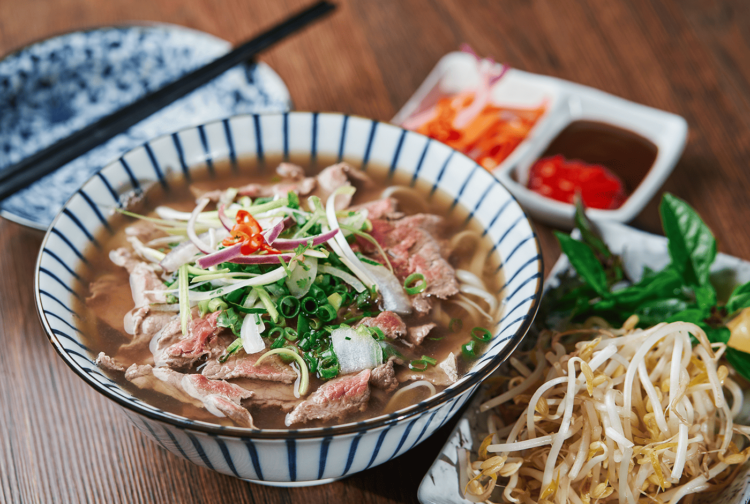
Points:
[(346, 277), (300, 281), (394, 297), (250, 334), (167, 213), (265, 279), (186, 251), (144, 251), (339, 244), (202, 246), (355, 350)]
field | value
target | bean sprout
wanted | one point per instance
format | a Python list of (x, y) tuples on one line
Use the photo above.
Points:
[(641, 416)]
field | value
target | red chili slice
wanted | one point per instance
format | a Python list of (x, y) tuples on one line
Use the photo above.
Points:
[(560, 179)]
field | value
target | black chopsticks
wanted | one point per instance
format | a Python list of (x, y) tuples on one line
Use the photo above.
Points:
[(47, 160)]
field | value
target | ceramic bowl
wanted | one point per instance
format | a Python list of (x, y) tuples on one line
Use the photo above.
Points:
[(299, 456)]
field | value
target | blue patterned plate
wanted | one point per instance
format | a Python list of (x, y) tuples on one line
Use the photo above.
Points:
[(52, 88)]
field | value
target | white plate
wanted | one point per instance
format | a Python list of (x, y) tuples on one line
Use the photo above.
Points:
[(566, 102)]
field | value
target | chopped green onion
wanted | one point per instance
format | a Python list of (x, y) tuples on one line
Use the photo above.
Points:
[(415, 283), (429, 360), (245, 201), (377, 333), (455, 325), (240, 308), (309, 305), (303, 324), (469, 349), (184, 298), (481, 334), (353, 319), (315, 323), (335, 299), (326, 313), (203, 307), (231, 349), (293, 200), (216, 304), (200, 271), (271, 205), (266, 300), (290, 334), (418, 365), (305, 376), (275, 330), (289, 306), (280, 341)]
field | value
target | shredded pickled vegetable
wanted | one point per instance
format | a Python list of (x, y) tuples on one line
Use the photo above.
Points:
[(631, 416)]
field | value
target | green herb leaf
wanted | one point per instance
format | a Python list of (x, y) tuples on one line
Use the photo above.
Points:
[(585, 263), (658, 310), (705, 296), (740, 361), (739, 299), (693, 315), (229, 318), (588, 235), (692, 246)]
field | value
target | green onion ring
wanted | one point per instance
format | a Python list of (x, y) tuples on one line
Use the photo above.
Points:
[(284, 306), (326, 313), (481, 334), (418, 365), (309, 305), (415, 283), (455, 325), (429, 360), (469, 350)]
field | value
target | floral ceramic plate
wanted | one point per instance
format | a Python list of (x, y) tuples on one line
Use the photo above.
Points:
[(52, 88)]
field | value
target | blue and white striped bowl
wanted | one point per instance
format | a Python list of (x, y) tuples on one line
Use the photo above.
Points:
[(301, 456)]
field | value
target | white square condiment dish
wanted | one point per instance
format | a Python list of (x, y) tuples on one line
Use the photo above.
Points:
[(565, 102)]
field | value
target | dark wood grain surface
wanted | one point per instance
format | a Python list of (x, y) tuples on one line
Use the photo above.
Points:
[(62, 442)]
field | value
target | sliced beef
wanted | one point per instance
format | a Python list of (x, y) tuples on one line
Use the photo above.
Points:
[(388, 322), (143, 323), (268, 394), (444, 374), (334, 399), (144, 230), (243, 366), (170, 334), (339, 175), (219, 397), (378, 209), (417, 334), (104, 361), (290, 171), (143, 278), (384, 377), (413, 246), (201, 340), (162, 380)]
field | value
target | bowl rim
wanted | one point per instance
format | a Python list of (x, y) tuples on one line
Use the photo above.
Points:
[(440, 399)]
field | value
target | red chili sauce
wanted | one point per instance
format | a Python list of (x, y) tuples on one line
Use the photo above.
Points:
[(601, 162)]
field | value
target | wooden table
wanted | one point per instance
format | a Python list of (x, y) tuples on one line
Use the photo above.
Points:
[(60, 441)]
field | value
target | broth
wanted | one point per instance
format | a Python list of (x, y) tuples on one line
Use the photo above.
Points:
[(104, 330)]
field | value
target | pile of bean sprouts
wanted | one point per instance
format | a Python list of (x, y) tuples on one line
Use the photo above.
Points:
[(631, 415)]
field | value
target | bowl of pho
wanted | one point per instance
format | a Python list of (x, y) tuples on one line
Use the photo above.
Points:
[(271, 289)]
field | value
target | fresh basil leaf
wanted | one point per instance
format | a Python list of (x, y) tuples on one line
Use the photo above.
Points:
[(739, 299), (692, 246), (663, 285), (740, 361), (705, 296), (584, 262), (692, 315), (588, 235), (659, 310)]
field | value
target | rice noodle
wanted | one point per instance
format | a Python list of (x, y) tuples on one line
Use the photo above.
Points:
[(640, 414), (399, 392)]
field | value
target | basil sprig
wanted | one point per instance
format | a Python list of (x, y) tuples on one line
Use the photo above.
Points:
[(682, 291)]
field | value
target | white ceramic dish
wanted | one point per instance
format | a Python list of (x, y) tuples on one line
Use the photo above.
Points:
[(638, 249), (301, 456), (566, 102)]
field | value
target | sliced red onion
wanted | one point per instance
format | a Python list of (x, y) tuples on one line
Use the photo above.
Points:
[(273, 232), (223, 255), (262, 259), (283, 244), (202, 246), (225, 221)]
